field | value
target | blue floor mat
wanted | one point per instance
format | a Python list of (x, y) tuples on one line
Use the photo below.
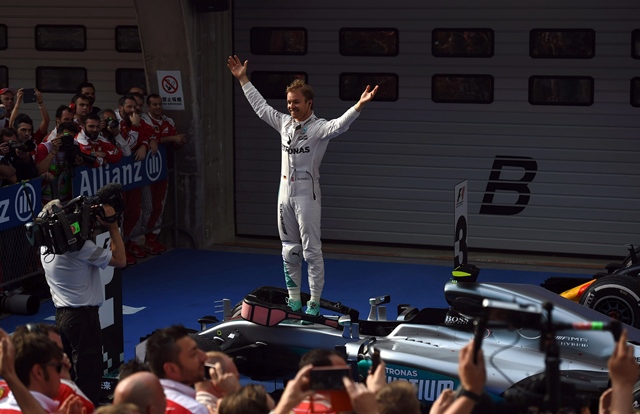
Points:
[(182, 285)]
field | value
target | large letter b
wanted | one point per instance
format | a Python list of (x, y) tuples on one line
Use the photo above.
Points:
[(505, 164)]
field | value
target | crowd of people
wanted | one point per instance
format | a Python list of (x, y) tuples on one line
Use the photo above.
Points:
[(86, 135), (173, 380)]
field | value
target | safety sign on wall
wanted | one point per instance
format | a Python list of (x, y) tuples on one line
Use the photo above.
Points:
[(171, 89)]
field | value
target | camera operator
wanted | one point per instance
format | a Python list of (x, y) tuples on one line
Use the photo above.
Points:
[(91, 143), (77, 293), (16, 155), (59, 157), (110, 130)]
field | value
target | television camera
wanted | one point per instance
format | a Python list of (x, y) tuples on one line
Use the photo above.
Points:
[(65, 228)]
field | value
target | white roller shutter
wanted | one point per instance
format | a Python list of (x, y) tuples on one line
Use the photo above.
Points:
[(100, 57), (390, 178)]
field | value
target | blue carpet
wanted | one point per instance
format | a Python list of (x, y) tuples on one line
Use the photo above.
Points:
[(182, 285)]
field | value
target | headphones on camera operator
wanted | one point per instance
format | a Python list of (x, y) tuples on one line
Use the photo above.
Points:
[(65, 228)]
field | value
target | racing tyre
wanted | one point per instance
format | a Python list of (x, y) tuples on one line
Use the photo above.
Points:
[(237, 310), (615, 296)]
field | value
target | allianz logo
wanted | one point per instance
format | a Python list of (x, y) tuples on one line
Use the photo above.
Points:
[(23, 202)]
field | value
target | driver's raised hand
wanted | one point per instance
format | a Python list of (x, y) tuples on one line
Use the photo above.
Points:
[(366, 96), (238, 69)]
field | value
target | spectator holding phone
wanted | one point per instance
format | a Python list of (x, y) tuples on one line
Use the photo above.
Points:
[(28, 97)]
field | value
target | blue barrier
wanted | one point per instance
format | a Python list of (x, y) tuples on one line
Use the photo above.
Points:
[(19, 203), (128, 172)]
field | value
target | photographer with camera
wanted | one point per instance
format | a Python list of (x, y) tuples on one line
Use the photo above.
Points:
[(59, 157), (16, 155), (63, 114), (76, 287), (110, 130)]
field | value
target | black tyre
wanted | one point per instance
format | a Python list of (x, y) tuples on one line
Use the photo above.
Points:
[(615, 296)]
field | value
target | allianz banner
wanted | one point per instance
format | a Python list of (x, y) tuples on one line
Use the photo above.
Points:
[(20, 203), (128, 172)]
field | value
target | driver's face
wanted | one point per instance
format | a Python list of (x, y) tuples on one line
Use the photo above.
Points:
[(298, 106)]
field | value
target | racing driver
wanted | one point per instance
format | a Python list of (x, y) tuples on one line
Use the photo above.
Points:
[(304, 138)]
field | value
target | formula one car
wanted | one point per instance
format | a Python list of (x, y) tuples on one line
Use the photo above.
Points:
[(614, 292), (521, 328)]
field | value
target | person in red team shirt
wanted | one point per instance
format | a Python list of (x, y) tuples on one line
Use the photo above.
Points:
[(50, 157), (68, 388), (41, 132), (38, 362), (175, 358), (63, 114), (139, 137), (93, 144), (81, 104), (154, 195)]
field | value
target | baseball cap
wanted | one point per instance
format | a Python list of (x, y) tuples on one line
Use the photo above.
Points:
[(5, 90)]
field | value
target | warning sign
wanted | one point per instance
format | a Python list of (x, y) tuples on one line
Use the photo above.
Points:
[(170, 87)]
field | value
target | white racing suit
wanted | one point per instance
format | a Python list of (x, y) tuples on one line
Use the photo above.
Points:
[(299, 199)]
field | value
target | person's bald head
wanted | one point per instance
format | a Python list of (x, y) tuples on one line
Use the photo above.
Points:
[(144, 390), (225, 360)]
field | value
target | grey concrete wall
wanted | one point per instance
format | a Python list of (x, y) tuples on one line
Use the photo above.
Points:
[(175, 37)]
